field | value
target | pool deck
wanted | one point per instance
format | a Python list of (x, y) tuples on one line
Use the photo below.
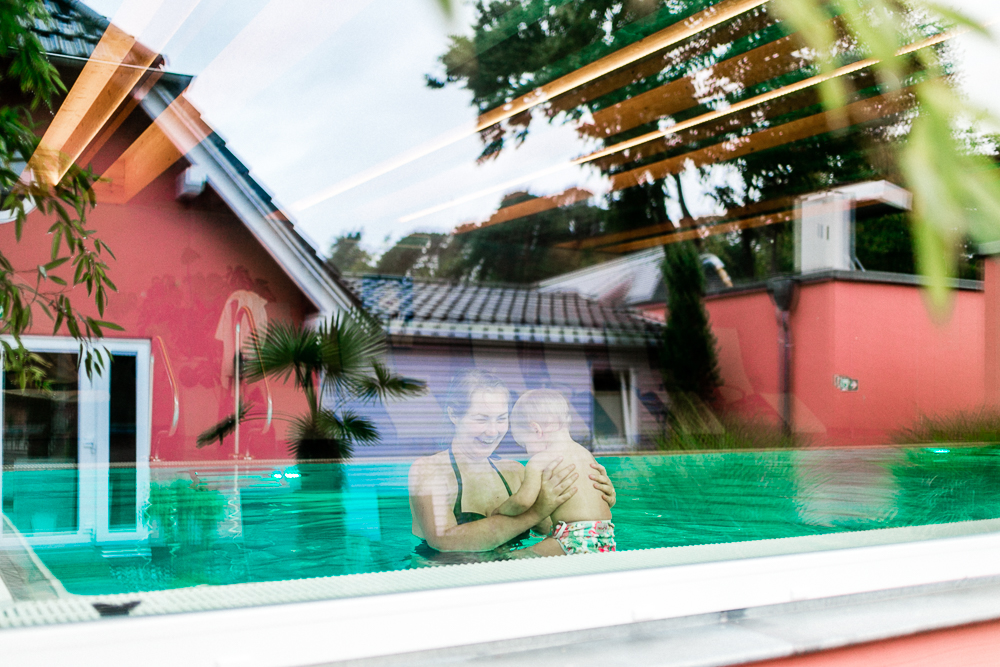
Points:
[(23, 576), (735, 637), (702, 606)]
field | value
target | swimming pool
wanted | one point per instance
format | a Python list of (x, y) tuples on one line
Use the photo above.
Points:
[(254, 523)]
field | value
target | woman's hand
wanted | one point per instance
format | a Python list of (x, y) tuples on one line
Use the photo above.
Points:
[(603, 484), (556, 488)]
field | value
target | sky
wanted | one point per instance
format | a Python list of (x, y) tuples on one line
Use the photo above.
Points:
[(325, 101)]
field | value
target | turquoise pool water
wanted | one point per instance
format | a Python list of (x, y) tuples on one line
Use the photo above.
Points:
[(223, 525)]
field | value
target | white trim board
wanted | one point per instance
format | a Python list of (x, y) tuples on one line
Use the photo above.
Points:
[(311, 633), (304, 270)]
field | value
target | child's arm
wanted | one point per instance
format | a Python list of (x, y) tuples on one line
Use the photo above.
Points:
[(525, 497)]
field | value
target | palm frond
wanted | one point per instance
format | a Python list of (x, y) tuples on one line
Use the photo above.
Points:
[(283, 349), (223, 428), (384, 385), (354, 427), (330, 436), (351, 342)]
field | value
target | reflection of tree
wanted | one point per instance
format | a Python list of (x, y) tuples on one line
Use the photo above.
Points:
[(784, 147), (520, 250), (347, 255), (184, 518)]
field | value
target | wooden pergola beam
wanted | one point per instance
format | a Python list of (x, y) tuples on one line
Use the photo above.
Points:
[(171, 136), (659, 61), (707, 18), (771, 205), (862, 111), (113, 69), (704, 232), (745, 70), (530, 207)]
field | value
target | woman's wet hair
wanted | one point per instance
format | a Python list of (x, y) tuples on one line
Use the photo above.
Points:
[(466, 384)]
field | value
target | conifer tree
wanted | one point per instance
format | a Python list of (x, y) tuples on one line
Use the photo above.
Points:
[(690, 363)]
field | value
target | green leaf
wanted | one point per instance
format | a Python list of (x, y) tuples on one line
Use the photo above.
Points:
[(110, 325)]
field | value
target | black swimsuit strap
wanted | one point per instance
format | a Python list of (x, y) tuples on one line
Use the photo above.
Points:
[(470, 516), (502, 478)]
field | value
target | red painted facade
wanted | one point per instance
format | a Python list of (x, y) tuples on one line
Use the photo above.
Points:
[(968, 646), (881, 335), (183, 270)]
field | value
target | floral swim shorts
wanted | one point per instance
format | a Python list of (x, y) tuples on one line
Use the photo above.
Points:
[(585, 537)]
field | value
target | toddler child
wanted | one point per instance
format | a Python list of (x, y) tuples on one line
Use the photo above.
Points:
[(540, 423)]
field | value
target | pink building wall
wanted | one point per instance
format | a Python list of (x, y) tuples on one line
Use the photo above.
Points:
[(879, 334), (966, 646), (177, 267)]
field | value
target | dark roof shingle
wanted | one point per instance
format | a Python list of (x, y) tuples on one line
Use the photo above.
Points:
[(500, 312)]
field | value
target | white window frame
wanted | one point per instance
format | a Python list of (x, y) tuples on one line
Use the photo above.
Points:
[(628, 384), (93, 451)]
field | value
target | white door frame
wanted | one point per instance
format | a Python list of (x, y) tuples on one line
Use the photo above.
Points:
[(93, 450)]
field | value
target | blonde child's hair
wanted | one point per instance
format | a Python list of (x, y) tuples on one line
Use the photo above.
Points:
[(545, 407)]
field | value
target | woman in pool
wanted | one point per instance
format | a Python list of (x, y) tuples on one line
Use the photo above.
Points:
[(454, 493)]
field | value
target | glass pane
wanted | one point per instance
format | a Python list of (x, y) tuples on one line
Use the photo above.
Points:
[(40, 439), (121, 446), (609, 416), (634, 231)]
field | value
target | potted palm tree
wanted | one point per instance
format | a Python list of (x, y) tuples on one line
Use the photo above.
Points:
[(337, 365)]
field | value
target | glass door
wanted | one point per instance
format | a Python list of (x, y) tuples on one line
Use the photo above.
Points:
[(75, 451)]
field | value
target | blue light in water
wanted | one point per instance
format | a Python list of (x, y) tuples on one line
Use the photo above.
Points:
[(292, 475), (276, 475), (940, 451)]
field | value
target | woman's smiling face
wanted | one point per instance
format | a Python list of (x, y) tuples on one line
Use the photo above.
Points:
[(479, 431)]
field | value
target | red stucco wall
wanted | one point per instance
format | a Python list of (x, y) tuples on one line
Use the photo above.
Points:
[(177, 265), (969, 646), (881, 335)]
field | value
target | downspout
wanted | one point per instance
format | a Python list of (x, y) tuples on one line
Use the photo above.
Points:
[(784, 294)]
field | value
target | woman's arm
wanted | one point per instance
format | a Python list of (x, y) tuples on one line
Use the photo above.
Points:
[(442, 532)]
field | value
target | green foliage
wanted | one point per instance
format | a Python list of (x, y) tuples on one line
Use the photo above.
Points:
[(183, 512), (976, 426), (78, 257), (515, 46), (347, 256), (727, 432), (522, 250), (689, 361), (418, 255), (956, 191), (224, 428), (340, 361)]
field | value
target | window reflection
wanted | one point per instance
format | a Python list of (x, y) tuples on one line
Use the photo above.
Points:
[(523, 305), (40, 448)]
